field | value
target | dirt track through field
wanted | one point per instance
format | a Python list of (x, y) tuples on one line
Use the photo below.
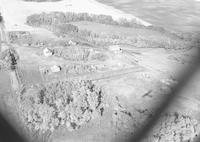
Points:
[(109, 75)]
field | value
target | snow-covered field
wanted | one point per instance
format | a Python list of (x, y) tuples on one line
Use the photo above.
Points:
[(182, 15)]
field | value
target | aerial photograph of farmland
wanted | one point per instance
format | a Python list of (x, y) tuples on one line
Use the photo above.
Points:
[(99, 70)]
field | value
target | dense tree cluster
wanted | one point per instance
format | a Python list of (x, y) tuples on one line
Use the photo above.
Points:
[(60, 17), (8, 59), (176, 128), (69, 103)]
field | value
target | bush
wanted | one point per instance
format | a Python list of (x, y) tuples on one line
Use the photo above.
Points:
[(73, 53), (99, 57), (63, 29), (79, 69), (124, 22), (20, 37)]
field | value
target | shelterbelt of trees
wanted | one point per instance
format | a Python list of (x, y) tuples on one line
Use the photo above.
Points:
[(61, 17)]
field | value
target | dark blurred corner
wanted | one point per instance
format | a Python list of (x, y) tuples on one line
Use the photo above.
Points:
[(8, 133)]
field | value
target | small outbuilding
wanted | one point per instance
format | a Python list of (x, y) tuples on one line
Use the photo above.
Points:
[(70, 42), (55, 68), (47, 52)]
